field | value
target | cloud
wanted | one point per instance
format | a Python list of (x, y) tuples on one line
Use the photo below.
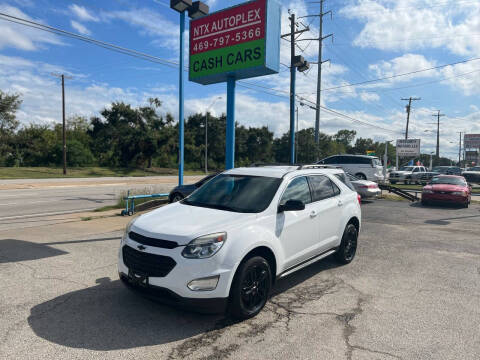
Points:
[(404, 25), (404, 64), (151, 24), (21, 37), (80, 28), (82, 13), (369, 97)]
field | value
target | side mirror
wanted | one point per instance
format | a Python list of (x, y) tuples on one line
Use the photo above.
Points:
[(291, 205)]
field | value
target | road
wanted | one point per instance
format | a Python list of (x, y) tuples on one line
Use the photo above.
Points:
[(412, 292), (21, 199)]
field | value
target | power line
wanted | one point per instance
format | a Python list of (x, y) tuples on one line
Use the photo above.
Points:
[(103, 44), (399, 75)]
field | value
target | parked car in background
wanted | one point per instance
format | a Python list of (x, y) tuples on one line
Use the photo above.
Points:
[(365, 188), (182, 191), (362, 166), (452, 189), (441, 169), (405, 174), (224, 246), (472, 175), (423, 177)]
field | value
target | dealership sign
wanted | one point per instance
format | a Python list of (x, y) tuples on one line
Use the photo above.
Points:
[(241, 42), (472, 141), (408, 147)]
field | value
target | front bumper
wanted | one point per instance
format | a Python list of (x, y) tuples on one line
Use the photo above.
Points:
[(184, 271), (168, 297), (445, 198)]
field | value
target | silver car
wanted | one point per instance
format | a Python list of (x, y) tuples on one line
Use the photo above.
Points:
[(366, 189)]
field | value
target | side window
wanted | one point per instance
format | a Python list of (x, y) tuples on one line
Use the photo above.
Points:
[(348, 160), (336, 190), (321, 187), (297, 190), (343, 178), (331, 160)]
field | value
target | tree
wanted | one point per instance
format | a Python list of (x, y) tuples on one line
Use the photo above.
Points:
[(9, 105), (345, 137)]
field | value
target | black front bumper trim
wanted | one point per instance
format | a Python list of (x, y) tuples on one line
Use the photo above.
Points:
[(168, 297)]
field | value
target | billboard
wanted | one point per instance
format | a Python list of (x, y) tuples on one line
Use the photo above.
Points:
[(242, 41), (408, 147), (472, 141)]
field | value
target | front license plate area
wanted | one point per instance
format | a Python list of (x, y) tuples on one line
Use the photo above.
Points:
[(138, 278)]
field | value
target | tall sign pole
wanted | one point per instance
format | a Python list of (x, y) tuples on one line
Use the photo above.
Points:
[(64, 135), (181, 119), (236, 43)]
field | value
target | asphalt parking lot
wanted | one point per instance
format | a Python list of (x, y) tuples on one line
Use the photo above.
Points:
[(413, 292)]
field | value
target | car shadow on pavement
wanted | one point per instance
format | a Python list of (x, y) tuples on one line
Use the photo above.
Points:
[(12, 250), (109, 316)]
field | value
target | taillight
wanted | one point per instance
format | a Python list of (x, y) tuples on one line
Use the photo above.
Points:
[(373, 186), (359, 198)]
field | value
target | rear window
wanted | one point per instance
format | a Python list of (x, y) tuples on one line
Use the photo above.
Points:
[(322, 187)]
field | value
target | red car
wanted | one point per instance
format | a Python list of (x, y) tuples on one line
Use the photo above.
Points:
[(447, 189)]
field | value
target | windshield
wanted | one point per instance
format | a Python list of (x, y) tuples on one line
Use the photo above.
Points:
[(448, 181), (476, 168), (238, 193), (406, 168), (440, 169)]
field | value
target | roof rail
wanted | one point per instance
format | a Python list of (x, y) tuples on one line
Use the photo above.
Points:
[(269, 164), (317, 166)]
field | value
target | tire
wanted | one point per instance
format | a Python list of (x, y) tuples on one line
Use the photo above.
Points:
[(250, 288), (348, 247), (466, 205), (176, 197), (361, 176)]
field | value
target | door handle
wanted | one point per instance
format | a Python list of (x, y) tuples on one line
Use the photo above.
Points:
[(313, 214), (340, 203)]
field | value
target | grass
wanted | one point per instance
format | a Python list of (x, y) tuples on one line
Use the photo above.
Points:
[(85, 172)]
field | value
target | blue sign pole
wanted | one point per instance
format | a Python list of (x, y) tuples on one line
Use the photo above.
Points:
[(181, 124), (230, 146)]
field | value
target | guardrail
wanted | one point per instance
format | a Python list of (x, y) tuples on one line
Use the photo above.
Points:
[(130, 202)]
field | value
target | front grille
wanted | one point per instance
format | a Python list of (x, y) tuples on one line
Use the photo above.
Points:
[(148, 264), (145, 240)]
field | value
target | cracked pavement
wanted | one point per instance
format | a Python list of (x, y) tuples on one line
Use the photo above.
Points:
[(413, 292)]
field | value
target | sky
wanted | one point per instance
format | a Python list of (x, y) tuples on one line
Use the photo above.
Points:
[(371, 39)]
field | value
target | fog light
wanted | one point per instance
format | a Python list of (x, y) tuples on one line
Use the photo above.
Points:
[(204, 284)]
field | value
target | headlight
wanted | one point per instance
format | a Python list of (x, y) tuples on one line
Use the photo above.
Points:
[(427, 191), (127, 229), (204, 246), (460, 193)]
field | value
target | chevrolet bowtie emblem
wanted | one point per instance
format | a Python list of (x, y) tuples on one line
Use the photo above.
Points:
[(141, 247)]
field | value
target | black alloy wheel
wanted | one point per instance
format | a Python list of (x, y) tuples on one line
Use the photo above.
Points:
[(250, 288), (348, 247)]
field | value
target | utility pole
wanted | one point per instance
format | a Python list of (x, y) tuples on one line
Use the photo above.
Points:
[(438, 115), (319, 72), (64, 136), (302, 65), (409, 107)]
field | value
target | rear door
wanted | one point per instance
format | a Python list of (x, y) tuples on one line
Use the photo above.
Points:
[(297, 230), (327, 206)]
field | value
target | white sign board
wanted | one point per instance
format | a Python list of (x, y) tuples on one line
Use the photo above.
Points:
[(472, 141), (408, 147)]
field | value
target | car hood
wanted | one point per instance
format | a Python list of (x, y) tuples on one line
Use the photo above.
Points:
[(445, 187), (183, 223), (471, 172), (401, 172)]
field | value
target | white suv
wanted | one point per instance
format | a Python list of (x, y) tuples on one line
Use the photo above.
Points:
[(224, 246)]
